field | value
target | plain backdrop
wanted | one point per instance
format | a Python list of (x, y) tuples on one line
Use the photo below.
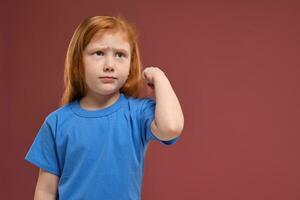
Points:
[(234, 66)]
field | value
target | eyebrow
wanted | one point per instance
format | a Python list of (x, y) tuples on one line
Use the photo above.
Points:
[(106, 48)]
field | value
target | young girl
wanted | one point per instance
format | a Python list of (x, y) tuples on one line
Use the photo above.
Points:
[(94, 145)]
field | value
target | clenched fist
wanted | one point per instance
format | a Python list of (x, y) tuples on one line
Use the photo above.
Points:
[(150, 73)]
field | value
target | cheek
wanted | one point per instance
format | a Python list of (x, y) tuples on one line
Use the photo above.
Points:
[(89, 73), (89, 63)]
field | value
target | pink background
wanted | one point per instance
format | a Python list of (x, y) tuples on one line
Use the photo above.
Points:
[(234, 67)]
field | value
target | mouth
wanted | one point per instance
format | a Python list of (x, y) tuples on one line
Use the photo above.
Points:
[(107, 77)]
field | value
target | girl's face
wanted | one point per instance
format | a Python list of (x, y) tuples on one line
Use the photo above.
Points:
[(107, 55)]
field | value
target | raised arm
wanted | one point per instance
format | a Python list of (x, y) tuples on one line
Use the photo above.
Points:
[(169, 119)]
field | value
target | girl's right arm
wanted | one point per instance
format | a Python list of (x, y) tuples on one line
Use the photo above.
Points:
[(46, 187)]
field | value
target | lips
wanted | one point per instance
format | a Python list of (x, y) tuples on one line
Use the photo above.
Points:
[(107, 77)]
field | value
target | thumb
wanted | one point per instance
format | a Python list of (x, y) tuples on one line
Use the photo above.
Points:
[(144, 76)]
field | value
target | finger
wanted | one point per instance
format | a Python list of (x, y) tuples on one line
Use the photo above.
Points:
[(143, 75)]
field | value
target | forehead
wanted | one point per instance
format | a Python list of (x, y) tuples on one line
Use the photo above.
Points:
[(109, 39)]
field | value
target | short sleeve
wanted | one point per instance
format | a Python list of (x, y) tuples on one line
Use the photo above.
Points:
[(147, 116), (42, 152)]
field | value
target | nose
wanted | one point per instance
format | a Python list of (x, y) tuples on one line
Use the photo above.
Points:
[(109, 64)]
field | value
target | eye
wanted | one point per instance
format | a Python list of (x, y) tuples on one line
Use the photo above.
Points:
[(98, 53), (120, 54)]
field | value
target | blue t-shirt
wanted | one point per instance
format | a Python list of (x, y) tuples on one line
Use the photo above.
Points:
[(97, 154)]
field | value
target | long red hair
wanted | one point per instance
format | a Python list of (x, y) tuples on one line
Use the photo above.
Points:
[(74, 79)]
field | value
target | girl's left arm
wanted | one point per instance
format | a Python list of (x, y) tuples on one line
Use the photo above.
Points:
[(169, 120)]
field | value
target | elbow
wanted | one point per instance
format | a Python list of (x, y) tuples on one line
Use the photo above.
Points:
[(174, 131), (168, 131), (177, 128)]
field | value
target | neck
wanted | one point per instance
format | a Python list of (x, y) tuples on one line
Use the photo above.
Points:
[(95, 102)]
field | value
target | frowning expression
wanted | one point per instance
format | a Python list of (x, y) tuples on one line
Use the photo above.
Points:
[(106, 61)]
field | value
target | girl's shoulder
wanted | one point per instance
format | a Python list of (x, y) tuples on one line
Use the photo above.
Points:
[(141, 103), (139, 99), (59, 113)]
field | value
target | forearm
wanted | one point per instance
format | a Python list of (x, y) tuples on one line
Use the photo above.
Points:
[(168, 113), (42, 195)]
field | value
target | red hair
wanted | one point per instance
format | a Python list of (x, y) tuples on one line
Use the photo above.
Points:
[(74, 79)]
